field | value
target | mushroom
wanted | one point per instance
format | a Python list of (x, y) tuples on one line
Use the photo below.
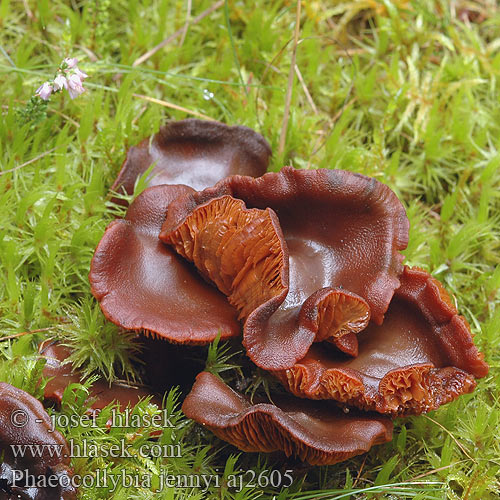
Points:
[(319, 434), (421, 357), (143, 285), (311, 261), (305, 255), (196, 153), (60, 375), (43, 472)]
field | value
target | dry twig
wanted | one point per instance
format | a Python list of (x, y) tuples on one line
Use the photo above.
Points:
[(187, 23), (306, 90), (22, 334), (172, 106), (179, 32), (291, 75), (33, 160)]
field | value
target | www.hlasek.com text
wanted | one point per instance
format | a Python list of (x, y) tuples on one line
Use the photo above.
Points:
[(85, 449)]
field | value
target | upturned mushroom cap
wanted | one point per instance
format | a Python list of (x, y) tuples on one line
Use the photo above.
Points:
[(305, 255), (421, 357), (319, 434), (141, 284), (24, 421), (196, 153), (61, 374)]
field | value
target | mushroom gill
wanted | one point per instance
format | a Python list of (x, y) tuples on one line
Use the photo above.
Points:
[(337, 260), (317, 433), (420, 358), (141, 284), (239, 250)]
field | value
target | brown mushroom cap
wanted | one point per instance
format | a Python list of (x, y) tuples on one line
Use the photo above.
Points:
[(141, 284), (319, 434), (196, 153), (422, 356), (17, 408), (102, 394), (333, 258)]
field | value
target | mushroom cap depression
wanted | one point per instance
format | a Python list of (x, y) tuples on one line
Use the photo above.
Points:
[(319, 434), (24, 421), (196, 153), (305, 255), (60, 374), (141, 284), (421, 357)]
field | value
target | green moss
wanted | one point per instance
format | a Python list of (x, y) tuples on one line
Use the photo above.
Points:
[(407, 93)]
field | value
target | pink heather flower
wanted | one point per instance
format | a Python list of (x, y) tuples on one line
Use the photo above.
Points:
[(81, 74), (44, 91), (60, 82), (71, 62), (68, 76), (75, 87)]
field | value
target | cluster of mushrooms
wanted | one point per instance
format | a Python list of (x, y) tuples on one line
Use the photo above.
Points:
[(303, 265)]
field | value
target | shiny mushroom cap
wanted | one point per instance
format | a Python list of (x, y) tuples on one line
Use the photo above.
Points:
[(60, 374), (196, 153), (319, 434), (141, 284), (421, 357), (305, 255), (24, 421)]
